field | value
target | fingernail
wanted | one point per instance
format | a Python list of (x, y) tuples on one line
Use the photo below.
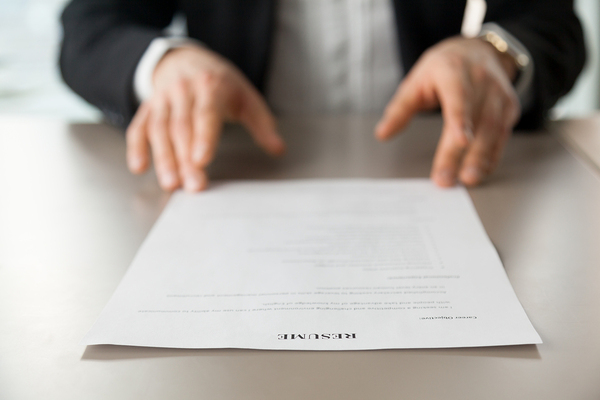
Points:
[(446, 177), (193, 183), (473, 174), (169, 179)]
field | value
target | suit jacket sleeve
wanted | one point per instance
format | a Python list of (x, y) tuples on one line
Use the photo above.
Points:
[(553, 35), (103, 41)]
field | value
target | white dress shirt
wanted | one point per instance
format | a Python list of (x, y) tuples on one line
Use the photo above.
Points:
[(333, 56)]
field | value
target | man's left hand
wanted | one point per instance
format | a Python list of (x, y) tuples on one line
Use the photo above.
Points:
[(471, 81)]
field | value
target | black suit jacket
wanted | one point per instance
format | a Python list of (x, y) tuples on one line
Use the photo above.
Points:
[(104, 40)]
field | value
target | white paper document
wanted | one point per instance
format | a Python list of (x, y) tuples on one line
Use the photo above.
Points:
[(316, 265)]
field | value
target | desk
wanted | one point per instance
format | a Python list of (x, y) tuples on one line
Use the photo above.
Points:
[(72, 218), (582, 136)]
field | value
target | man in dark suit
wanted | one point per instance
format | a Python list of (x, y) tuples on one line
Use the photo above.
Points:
[(197, 88)]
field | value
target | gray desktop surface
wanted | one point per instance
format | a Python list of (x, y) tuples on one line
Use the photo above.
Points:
[(72, 218)]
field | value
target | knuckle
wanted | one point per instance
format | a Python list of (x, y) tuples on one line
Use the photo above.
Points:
[(163, 157), (209, 86), (220, 77), (479, 159), (456, 109), (180, 135), (211, 78), (176, 133), (455, 61), (479, 73), (157, 120), (205, 76), (491, 120), (202, 81), (155, 131), (180, 87), (178, 124), (458, 115), (156, 107), (201, 113)]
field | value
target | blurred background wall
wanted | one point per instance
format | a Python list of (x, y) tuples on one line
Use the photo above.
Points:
[(585, 96), (30, 82)]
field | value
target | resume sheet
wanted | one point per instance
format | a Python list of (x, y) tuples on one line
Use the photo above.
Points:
[(316, 265)]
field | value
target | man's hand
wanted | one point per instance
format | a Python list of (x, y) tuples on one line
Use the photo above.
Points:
[(471, 81), (195, 92)]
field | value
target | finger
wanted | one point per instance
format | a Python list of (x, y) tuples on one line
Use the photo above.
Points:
[(477, 163), (180, 128), (257, 118), (511, 115), (498, 150), (207, 118), (137, 141), (162, 151), (410, 98), (456, 95), (447, 159)]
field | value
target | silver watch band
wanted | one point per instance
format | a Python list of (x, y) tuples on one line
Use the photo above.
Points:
[(506, 43)]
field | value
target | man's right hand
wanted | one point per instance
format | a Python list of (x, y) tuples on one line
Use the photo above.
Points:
[(195, 92)]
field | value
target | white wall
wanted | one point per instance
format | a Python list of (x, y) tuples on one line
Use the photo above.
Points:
[(30, 81), (585, 96)]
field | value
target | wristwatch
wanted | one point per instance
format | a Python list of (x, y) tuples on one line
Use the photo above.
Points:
[(505, 43)]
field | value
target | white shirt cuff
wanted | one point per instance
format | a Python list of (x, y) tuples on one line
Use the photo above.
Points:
[(524, 83), (142, 78)]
